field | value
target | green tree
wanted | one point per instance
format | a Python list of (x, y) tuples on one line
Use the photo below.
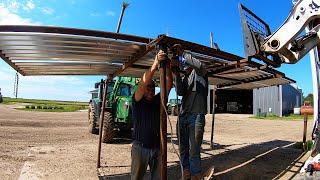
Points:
[(309, 97)]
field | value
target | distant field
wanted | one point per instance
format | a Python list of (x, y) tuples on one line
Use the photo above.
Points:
[(36, 101), (47, 105), (290, 117)]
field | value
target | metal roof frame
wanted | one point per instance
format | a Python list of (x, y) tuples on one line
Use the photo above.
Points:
[(44, 50)]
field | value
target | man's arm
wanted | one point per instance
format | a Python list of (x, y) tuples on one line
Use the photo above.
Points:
[(147, 76), (191, 61), (195, 64)]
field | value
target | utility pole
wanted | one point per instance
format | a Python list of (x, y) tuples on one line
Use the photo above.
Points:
[(124, 6), (16, 85), (108, 78)]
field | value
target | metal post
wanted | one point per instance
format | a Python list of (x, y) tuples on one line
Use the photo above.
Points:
[(211, 40), (213, 113), (305, 120), (16, 85), (101, 120), (163, 118)]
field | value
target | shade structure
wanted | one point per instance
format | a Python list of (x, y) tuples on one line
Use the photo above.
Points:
[(43, 50)]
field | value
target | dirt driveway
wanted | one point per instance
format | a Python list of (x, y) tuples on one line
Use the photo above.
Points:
[(41, 145)]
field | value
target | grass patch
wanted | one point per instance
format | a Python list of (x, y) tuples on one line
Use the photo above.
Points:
[(47, 105), (299, 145), (289, 117), (45, 108), (35, 102)]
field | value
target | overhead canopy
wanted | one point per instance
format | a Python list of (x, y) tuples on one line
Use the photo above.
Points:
[(40, 50)]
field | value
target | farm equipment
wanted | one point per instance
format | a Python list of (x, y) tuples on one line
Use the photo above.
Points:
[(173, 107), (117, 116), (1, 99), (289, 45)]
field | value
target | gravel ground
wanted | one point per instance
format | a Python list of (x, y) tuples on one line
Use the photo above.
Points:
[(49, 145)]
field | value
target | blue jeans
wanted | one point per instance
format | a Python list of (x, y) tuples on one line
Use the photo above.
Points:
[(141, 157), (191, 136)]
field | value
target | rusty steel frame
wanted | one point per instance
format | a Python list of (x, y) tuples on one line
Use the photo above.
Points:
[(7, 60)]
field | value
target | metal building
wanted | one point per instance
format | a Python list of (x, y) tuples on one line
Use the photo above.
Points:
[(274, 100), (278, 100)]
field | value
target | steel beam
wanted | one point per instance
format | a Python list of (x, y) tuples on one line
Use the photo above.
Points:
[(7, 60), (72, 31), (202, 49), (145, 50), (245, 82)]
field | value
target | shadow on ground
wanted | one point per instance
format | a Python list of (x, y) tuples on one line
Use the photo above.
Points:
[(257, 161)]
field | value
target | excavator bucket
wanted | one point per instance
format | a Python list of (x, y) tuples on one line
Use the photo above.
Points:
[(254, 32)]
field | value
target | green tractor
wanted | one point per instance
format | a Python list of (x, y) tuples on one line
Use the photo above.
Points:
[(117, 116), (172, 106), (1, 99)]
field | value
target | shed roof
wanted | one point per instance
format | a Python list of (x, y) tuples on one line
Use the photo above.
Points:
[(42, 50)]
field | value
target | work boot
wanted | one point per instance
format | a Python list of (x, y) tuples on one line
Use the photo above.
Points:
[(204, 175), (186, 174), (197, 176)]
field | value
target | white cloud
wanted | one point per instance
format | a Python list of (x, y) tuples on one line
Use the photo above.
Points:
[(53, 92), (13, 5), (110, 13), (29, 6), (68, 88), (58, 80), (8, 17), (94, 14), (48, 11)]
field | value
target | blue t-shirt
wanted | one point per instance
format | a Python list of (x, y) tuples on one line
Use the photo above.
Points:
[(146, 121)]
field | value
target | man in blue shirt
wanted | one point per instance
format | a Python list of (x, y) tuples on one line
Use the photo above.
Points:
[(146, 123)]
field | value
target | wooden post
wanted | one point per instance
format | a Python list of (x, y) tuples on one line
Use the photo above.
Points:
[(101, 120), (305, 120), (163, 118)]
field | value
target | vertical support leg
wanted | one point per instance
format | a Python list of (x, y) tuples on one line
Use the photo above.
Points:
[(163, 118), (101, 120), (305, 120), (213, 114)]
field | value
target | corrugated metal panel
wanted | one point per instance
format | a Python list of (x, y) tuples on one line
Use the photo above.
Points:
[(40, 50), (291, 98), (265, 98)]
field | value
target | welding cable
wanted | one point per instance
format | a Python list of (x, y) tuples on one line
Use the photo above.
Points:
[(178, 131)]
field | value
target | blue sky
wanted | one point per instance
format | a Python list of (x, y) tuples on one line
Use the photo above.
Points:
[(188, 20)]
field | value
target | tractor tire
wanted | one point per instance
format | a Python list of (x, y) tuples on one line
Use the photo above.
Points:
[(108, 128), (91, 120)]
